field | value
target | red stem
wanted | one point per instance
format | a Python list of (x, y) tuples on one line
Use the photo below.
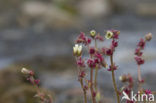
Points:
[(91, 86)]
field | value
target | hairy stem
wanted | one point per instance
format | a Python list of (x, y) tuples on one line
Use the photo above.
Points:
[(84, 91), (91, 86), (113, 78)]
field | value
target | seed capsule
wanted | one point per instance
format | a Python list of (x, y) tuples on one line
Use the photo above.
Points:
[(148, 36)]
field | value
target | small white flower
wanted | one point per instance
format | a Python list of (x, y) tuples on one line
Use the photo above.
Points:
[(77, 49), (25, 71), (120, 78), (92, 33), (109, 35)]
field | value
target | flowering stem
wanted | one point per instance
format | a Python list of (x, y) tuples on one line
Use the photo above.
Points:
[(96, 45), (84, 90), (91, 86), (139, 78), (113, 78), (95, 80), (139, 73), (36, 86), (96, 70), (39, 92), (50, 98)]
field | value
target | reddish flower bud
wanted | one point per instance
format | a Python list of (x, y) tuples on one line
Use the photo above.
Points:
[(96, 60), (116, 34), (112, 68), (94, 94), (91, 63), (141, 81), (138, 52), (147, 91), (130, 79), (92, 50), (31, 73), (88, 40), (141, 43), (82, 74), (85, 87), (37, 81), (114, 43), (81, 38), (80, 62), (139, 60), (127, 90), (109, 51), (99, 37), (99, 56)]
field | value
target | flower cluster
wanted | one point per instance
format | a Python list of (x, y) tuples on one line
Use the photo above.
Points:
[(138, 54), (96, 59), (93, 62), (127, 88), (83, 39), (114, 35), (140, 47), (128, 78), (43, 97), (147, 91)]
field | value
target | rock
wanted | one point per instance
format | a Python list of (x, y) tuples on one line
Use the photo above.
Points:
[(19, 94), (15, 88), (55, 63), (59, 81), (9, 5), (94, 8), (150, 77), (13, 35), (146, 9), (48, 14), (124, 6)]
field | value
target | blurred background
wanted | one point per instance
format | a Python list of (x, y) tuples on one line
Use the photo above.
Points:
[(40, 34)]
